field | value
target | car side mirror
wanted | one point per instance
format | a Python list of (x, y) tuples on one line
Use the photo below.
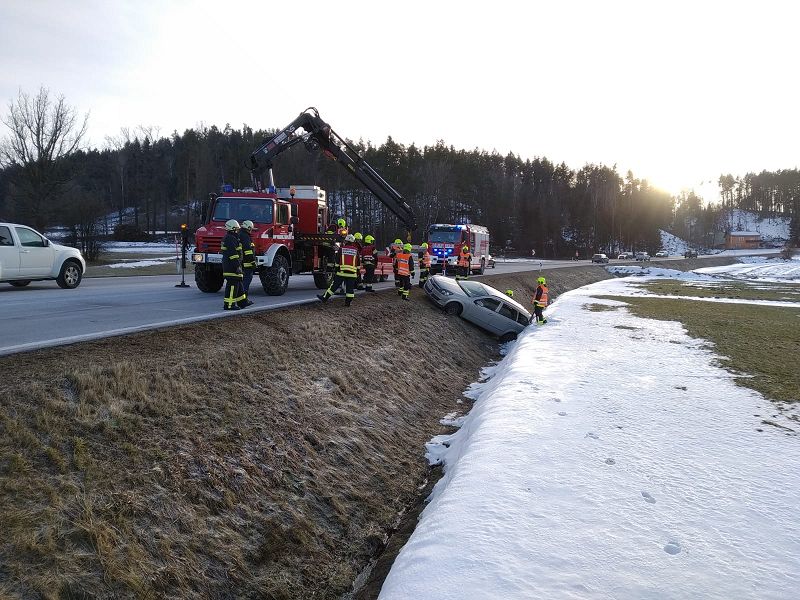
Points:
[(46, 242)]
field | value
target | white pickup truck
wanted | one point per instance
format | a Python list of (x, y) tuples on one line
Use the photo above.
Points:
[(26, 255)]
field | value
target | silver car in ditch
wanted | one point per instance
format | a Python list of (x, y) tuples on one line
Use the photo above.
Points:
[(480, 304)]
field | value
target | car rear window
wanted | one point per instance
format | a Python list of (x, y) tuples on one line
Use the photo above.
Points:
[(473, 289), (5, 237), (522, 319)]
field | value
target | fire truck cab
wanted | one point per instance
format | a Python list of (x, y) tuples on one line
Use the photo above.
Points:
[(445, 242)]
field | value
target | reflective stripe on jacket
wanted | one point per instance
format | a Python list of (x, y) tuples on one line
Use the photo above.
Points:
[(464, 259), (231, 250), (348, 260), (403, 261), (248, 250), (540, 299), (369, 255)]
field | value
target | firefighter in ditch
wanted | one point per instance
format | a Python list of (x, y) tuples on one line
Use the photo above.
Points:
[(404, 267), (369, 259), (464, 263), (231, 250), (347, 265), (540, 301), (424, 264), (248, 260)]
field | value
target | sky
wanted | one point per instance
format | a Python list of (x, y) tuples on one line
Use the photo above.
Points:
[(678, 92)]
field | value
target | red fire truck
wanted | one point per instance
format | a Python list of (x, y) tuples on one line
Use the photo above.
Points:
[(289, 223), (445, 242)]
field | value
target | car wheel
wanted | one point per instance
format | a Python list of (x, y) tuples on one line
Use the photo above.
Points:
[(453, 308), (508, 337), (70, 276), (20, 283)]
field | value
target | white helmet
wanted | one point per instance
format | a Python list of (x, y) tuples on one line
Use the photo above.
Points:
[(232, 225), (248, 225), (349, 238)]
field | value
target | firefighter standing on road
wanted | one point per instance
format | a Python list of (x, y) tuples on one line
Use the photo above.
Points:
[(424, 264), (540, 301), (248, 260), (347, 264), (397, 246), (231, 249), (360, 243), (369, 258), (464, 263), (404, 267)]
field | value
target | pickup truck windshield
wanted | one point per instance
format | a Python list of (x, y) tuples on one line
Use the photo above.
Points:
[(242, 209), (445, 235)]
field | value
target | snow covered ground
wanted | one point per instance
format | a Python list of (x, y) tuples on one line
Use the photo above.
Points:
[(608, 456), (140, 247), (771, 230), (759, 268)]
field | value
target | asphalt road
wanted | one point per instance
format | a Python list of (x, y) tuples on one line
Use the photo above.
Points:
[(42, 314)]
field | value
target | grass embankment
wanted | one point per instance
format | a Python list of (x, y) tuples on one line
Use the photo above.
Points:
[(101, 268), (266, 455), (757, 341)]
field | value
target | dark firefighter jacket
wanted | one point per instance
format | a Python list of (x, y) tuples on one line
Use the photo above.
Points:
[(248, 250), (348, 260), (231, 255)]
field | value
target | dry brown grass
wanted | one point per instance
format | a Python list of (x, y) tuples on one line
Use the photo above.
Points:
[(264, 456)]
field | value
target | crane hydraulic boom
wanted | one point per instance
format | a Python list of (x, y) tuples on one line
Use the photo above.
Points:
[(316, 133)]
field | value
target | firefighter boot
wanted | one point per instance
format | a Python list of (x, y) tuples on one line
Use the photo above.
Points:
[(322, 297), (348, 301)]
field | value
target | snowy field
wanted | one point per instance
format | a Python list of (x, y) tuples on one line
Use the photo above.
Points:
[(607, 456), (759, 268), (140, 247)]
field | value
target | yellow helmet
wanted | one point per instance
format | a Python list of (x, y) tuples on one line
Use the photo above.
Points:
[(425, 245), (358, 237), (399, 242), (510, 293), (406, 246), (465, 248), (341, 222), (369, 239), (541, 280)]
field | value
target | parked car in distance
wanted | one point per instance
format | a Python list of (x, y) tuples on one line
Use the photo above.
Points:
[(642, 256), (625, 256), (690, 253), (26, 255), (662, 254), (480, 304), (599, 258)]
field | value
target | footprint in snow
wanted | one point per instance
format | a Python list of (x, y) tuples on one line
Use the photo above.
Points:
[(562, 414), (611, 461), (672, 548), (648, 498), (594, 436)]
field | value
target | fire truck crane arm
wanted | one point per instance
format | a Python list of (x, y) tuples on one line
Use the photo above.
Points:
[(317, 133)]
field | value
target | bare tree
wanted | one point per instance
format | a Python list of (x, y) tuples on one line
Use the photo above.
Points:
[(43, 131)]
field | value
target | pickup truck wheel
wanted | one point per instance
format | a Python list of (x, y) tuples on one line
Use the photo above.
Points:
[(20, 283), (275, 279), (508, 337), (321, 281), (453, 308), (208, 280), (70, 276)]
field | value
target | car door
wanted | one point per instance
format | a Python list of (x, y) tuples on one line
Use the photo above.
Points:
[(9, 254), (506, 319), (483, 313), (35, 255)]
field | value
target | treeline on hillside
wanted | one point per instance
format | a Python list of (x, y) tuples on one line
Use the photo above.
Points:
[(151, 183)]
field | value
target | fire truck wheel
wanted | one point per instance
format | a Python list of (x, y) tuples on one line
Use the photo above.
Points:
[(321, 281), (275, 279), (453, 308), (208, 280)]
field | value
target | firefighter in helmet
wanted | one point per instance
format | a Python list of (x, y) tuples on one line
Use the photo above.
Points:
[(248, 260), (404, 267), (397, 246), (347, 264), (424, 264), (369, 260), (464, 263), (360, 243), (231, 250), (540, 301), (341, 226)]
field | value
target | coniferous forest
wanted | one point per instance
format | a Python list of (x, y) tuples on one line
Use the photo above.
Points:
[(152, 183)]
